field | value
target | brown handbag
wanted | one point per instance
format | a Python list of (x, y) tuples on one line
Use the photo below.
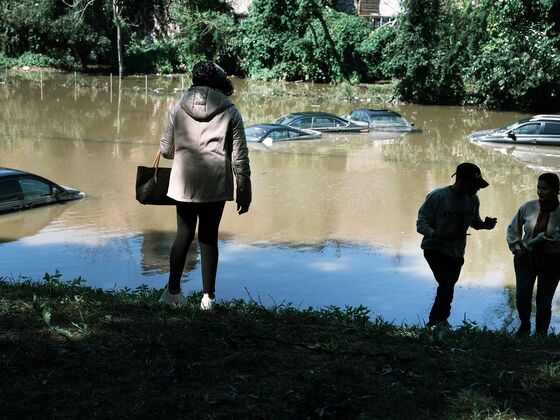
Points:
[(152, 184)]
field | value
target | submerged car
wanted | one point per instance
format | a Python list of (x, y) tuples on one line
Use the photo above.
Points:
[(21, 190), (271, 133), (539, 129), (321, 121), (382, 120)]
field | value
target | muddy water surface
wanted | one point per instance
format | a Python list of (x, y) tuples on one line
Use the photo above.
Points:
[(332, 222)]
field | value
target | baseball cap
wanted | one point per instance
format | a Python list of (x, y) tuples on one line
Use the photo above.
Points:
[(467, 171)]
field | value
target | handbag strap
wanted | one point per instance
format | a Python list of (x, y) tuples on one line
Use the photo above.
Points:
[(155, 164)]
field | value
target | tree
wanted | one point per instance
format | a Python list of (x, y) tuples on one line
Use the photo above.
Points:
[(300, 40)]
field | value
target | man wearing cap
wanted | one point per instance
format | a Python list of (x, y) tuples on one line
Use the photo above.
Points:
[(444, 219)]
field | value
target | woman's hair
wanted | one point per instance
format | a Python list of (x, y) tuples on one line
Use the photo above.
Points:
[(551, 180), (208, 73)]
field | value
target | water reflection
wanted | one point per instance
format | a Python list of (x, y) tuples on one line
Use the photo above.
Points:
[(154, 250), (542, 158), (350, 199), (18, 225)]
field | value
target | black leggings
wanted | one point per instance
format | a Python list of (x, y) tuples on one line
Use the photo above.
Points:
[(209, 216)]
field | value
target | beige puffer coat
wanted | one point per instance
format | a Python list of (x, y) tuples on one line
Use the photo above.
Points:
[(206, 140)]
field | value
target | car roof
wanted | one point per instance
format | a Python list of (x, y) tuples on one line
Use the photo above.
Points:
[(7, 172), (4, 172), (376, 110), (268, 126), (310, 114), (544, 117)]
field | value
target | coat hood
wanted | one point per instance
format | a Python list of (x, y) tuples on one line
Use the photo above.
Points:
[(202, 102)]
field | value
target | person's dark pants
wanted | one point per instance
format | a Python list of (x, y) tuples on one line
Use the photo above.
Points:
[(209, 216), (446, 271), (526, 272)]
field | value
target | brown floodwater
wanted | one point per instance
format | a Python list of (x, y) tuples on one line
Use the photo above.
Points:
[(332, 221)]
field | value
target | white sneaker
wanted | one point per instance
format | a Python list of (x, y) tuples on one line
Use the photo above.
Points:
[(169, 298), (207, 304)]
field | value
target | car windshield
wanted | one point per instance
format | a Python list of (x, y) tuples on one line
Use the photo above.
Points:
[(513, 125), (256, 132), (280, 120), (389, 120)]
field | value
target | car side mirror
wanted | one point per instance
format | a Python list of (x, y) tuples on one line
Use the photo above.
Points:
[(56, 191), (512, 135)]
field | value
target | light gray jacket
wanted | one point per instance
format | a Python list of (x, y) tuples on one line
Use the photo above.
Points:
[(520, 230), (206, 140)]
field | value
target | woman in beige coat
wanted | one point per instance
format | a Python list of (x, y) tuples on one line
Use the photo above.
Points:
[(206, 140)]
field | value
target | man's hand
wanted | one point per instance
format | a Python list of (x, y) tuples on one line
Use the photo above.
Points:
[(242, 208), (450, 236), (489, 223)]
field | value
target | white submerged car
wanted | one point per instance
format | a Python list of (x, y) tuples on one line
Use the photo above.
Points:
[(539, 129), (274, 133)]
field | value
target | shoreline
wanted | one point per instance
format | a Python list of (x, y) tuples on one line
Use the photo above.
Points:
[(381, 92)]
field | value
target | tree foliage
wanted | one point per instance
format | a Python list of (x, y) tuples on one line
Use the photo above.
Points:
[(495, 53), (500, 54), (302, 40)]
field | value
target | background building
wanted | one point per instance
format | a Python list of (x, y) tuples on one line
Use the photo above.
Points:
[(378, 10)]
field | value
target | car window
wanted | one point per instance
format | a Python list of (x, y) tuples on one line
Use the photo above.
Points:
[(512, 125), (294, 133), (359, 116), (324, 122), (302, 122), (279, 134), (532, 128), (551, 128), (389, 120), (340, 123), (255, 132), (34, 188), (9, 190)]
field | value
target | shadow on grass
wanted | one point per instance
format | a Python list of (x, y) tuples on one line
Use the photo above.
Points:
[(71, 351)]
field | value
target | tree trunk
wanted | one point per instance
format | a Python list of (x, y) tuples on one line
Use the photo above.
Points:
[(117, 19), (319, 15)]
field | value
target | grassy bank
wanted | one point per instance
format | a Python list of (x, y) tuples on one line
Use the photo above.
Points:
[(68, 351)]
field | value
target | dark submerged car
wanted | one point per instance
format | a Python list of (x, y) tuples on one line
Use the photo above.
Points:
[(321, 121), (272, 133), (21, 190), (382, 120), (539, 129)]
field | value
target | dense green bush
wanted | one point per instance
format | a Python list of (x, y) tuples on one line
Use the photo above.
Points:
[(6, 62), (515, 69), (48, 30), (499, 54), (40, 60), (206, 35), (425, 55), (147, 56), (303, 40), (374, 53), (496, 54)]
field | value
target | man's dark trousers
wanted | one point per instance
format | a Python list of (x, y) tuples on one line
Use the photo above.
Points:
[(446, 271)]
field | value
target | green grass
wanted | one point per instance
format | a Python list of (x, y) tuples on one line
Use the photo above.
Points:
[(69, 351)]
